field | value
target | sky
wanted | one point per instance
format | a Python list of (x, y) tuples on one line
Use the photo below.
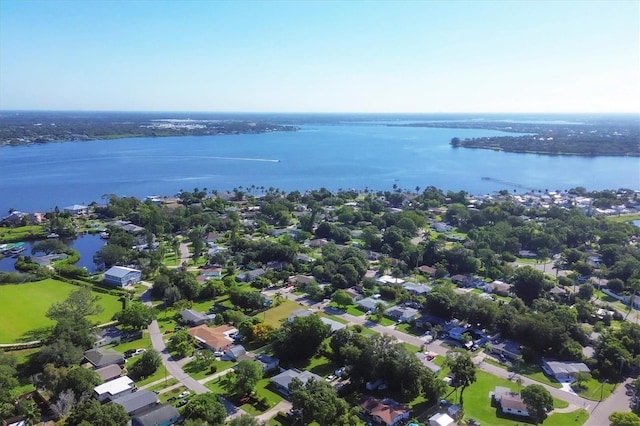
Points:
[(320, 56)]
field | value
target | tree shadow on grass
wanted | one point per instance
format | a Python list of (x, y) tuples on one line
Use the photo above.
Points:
[(41, 333)]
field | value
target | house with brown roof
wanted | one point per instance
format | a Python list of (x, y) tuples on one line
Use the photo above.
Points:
[(215, 339), (386, 411), (427, 270)]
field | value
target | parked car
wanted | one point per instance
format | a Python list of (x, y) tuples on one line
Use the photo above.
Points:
[(181, 403), (330, 378), (139, 352), (129, 353), (184, 394)]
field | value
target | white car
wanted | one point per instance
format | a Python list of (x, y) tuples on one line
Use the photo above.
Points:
[(218, 353), (184, 394), (139, 352)]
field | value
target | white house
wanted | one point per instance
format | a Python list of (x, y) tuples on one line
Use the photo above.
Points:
[(121, 276), (441, 419), (510, 403), (114, 388), (76, 210)]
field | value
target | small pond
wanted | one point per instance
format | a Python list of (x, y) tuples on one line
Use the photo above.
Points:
[(85, 244)]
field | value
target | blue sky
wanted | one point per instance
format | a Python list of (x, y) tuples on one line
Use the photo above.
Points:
[(321, 56)]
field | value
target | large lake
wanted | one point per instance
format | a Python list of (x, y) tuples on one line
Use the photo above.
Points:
[(341, 155)]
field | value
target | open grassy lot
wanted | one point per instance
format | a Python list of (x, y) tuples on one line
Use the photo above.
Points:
[(21, 233), (275, 315), (142, 343), (22, 317), (163, 385)]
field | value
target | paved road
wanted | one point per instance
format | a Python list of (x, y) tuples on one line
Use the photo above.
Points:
[(173, 367), (618, 401)]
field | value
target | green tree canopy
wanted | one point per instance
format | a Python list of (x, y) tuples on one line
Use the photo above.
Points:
[(538, 401), (205, 407)]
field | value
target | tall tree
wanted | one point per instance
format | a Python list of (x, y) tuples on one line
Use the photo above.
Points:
[(538, 401), (147, 364), (136, 316), (463, 370), (92, 412), (247, 375), (78, 305), (205, 407)]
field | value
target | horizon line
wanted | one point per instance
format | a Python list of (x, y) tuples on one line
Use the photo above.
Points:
[(315, 112)]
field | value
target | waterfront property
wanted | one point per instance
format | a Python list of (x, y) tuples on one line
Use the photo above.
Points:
[(121, 276)]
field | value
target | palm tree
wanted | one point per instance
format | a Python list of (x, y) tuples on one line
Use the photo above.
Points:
[(519, 382), (378, 310)]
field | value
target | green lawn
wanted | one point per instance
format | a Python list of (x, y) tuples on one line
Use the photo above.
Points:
[(142, 343), (165, 384), (29, 303), (275, 315), (160, 373), (594, 390), (21, 233), (477, 404), (197, 371)]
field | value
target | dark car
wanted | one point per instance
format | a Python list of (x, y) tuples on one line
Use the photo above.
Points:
[(129, 353)]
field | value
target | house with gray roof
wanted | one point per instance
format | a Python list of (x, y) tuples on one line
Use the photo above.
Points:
[(416, 289), (195, 318), (251, 276), (101, 357), (282, 380), (136, 401), (157, 415), (564, 370), (402, 313), (369, 303), (335, 325), (106, 336), (121, 276), (109, 372), (267, 362), (235, 353)]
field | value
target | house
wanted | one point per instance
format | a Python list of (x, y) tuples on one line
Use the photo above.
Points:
[(282, 380), (235, 353), (386, 411), (76, 210), (441, 419), (301, 280), (132, 229), (456, 333), (335, 325), (354, 293), (388, 280), (304, 258), (157, 415), (137, 401), (267, 362), (527, 254), (507, 349), (318, 242), (441, 227), (101, 357), (106, 336), (416, 289), (424, 359), (194, 318), (401, 313), (251, 276), (299, 313), (369, 303), (498, 287), (213, 272), (216, 339), (564, 370), (121, 276), (114, 388), (429, 271), (509, 402), (109, 372)]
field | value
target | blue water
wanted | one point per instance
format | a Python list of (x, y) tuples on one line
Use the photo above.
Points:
[(87, 245), (360, 155)]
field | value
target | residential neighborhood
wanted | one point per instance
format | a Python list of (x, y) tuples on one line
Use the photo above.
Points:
[(393, 308)]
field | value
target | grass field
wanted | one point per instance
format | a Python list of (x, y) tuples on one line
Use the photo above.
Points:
[(22, 317), (274, 316), (21, 233)]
